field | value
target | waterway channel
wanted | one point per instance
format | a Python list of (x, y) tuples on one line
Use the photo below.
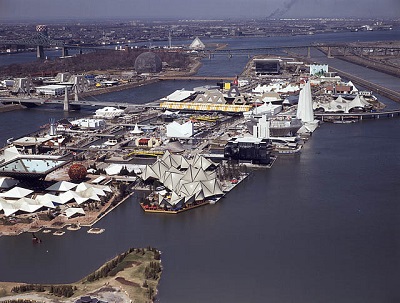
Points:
[(318, 227)]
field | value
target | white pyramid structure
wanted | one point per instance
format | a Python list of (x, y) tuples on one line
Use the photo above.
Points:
[(197, 44)]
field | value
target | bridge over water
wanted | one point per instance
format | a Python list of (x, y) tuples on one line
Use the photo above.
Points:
[(76, 103)]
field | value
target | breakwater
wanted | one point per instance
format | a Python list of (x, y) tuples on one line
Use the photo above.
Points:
[(379, 89)]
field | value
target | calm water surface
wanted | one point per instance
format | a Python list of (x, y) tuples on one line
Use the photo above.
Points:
[(318, 227)]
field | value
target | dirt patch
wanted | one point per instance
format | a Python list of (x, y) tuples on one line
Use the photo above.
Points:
[(126, 282), (134, 263)]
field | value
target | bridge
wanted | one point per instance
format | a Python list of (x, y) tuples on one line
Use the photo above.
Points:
[(40, 40), (359, 116), (342, 49), (76, 103), (190, 78)]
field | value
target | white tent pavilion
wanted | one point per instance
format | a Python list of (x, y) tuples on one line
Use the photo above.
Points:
[(48, 200), (61, 186), (136, 130), (16, 192), (69, 212), (7, 207)]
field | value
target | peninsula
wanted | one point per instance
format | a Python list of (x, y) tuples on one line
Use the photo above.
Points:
[(132, 276)]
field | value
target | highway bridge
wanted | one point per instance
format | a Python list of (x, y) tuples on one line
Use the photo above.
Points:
[(359, 116), (76, 103)]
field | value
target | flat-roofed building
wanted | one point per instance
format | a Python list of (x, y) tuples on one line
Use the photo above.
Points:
[(51, 90), (267, 66)]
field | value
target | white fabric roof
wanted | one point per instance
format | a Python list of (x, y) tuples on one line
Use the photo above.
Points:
[(61, 186), (16, 192), (48, 200), (136, 130), (69, 212), (176, 130), (11, 153), (177, 96), (99, 179)]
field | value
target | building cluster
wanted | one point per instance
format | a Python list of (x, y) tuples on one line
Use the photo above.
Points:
[(126, 32)]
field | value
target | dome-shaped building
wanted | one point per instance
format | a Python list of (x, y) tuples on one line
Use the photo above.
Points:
[(148, 63)]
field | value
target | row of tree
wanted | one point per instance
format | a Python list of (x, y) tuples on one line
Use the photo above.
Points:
[(58, 290), (230, 169), (108, 268), (28, 287), (62, 290), (152, 271)]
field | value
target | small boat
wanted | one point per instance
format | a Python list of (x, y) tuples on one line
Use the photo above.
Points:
[(35, 240)]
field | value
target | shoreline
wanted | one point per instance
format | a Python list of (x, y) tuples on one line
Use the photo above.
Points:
[(124, 278), (91, 218)]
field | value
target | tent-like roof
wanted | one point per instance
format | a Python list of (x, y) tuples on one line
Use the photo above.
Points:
[(148, 173), (172, 180), (28, 205), (136, 130), (195, 174), (97, 189), (88, 193), (72, 195), (159, 167), (211, 188), (10, 153), (202, 162), (62, 186), (358, 102), (48, 200), (16, 192), (69, 212), (7, 207), (7, 182), (191, 188)]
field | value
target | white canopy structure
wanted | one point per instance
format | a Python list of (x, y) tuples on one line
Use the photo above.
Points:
[(16, 193), (10, 153), (48, 200), (69, 212), (185, 181), (136, 130), (109, 112), (342, 105), (176, 130), (61, 186)]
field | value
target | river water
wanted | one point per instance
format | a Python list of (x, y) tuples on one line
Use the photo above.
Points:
[(318, 227)]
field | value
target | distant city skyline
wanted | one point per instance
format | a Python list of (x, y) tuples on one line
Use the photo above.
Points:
[(20, 10)]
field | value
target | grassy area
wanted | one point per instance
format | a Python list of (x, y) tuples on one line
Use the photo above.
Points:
[(134, 274)]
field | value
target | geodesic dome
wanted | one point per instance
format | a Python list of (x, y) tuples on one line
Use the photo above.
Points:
[(148, 63)]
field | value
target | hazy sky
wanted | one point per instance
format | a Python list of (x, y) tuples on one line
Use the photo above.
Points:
[(198, 9)]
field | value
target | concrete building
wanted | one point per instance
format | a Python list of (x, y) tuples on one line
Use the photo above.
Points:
[(51, 90)]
